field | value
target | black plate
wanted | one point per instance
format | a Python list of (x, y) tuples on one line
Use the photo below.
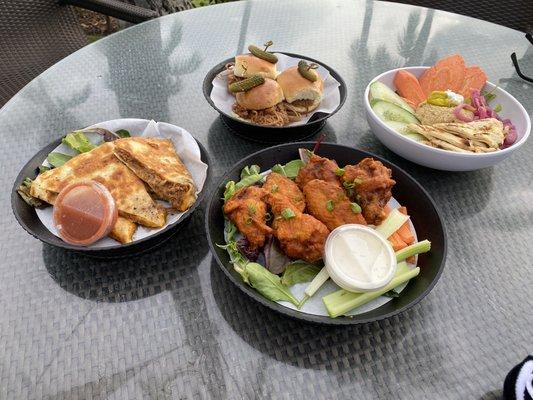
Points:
[(28, 219), (407, 191), (273, 134)]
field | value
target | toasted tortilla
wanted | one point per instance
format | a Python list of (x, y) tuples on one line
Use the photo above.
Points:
[(100, 164), (156, 162), (123, 230)]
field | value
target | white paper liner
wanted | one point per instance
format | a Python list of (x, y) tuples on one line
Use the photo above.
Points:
[(185, 145), (224, 100)]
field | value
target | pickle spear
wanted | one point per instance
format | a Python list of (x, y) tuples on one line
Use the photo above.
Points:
[(246, 84), (306, 70), (263, 54)]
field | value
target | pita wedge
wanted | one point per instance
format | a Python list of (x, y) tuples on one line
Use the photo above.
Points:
[(156, 162), (100, 164), (480, 136)]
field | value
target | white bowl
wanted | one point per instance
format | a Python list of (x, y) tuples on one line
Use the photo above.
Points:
[(444, 159)]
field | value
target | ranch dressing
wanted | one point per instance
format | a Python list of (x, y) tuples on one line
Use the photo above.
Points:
[(359, 259)]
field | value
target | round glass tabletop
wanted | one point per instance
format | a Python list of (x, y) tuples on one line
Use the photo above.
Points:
[(168, 324)]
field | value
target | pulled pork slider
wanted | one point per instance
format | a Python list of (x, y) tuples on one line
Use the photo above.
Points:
[(258, 62), (300, 90), (247, 65), (261, 97), (260, 101)]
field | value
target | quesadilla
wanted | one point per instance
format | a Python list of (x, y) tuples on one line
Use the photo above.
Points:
[(156, 162), (131, 197)]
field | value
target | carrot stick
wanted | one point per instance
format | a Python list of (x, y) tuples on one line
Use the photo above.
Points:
[(395, 239), (397, 242), (405, 231)]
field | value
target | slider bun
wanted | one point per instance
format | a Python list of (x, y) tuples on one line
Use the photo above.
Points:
[(296, 87), (247, 65), (260, 97)]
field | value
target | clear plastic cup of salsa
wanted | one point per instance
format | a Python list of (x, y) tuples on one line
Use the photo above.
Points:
[(84, 212)]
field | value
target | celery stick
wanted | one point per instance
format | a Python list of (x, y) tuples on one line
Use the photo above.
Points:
[(392, 223), (342, 301), (315, 284), (416, 248)]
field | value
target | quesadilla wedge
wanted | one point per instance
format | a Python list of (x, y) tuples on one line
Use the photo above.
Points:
[(123, 230), (100, 164), (156, 162)]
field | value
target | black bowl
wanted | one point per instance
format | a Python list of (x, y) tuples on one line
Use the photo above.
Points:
[(273, 134), (407, 191), (28, 219)]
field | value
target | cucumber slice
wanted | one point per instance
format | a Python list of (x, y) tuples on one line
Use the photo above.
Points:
[(391, 112), (402, 127), (381, 91)]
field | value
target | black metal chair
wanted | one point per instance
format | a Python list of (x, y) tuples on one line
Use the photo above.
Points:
[(35, 34), (516, 14)]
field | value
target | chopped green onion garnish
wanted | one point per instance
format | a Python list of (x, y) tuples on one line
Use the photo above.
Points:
[(348, 185), (251, 209), (339, 172), (287, 213), (274, 188), (356, 208), (498, 108), (357, 181), (330, 206)]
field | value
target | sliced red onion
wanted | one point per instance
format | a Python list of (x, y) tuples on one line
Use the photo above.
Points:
[(511, 136), (460, 115), (482, 110)]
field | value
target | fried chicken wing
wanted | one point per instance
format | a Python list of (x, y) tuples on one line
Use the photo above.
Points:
[(300, 235), (369, 183), (247, 210), (277, 183), (318, 168), (329, 204)]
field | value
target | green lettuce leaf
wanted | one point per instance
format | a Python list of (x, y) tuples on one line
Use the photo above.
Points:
[(290, 170), (57, 159), (299, 271), (268, 284), (78, 141)]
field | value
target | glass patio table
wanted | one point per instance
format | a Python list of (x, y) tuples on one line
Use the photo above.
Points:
[(167, 323)]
